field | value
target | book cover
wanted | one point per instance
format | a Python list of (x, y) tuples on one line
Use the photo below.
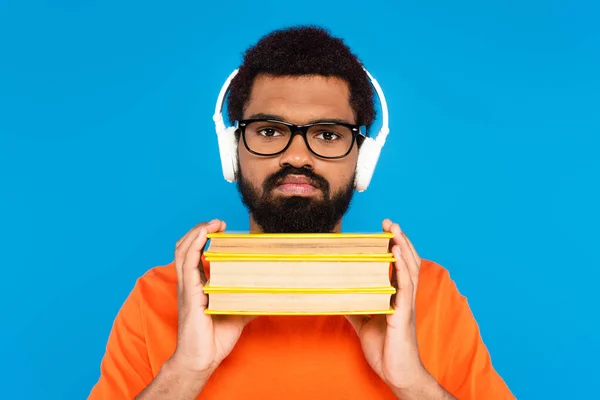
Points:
[(208, 288), (216, 256)]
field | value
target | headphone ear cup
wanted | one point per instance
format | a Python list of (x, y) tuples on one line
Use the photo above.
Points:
[(368, 155), (228, 153)]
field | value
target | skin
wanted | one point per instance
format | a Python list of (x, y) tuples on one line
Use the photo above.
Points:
[(299, 100), (389, 342)]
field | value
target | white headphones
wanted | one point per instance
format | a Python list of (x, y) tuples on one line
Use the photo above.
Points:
[(368, 154)]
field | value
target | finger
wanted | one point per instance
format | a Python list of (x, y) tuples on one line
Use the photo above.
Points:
[(246, 319), (357, 321), (389, 226), (190, 270), (417, 270), (386, 224), (183, 246), (394, 283), (404, 296), (401, 240), (192, 284), (415, 254), (194, 231), (237, 320), (201, 267)]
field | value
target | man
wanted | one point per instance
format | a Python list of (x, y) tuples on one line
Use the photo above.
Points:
[(163, 345)]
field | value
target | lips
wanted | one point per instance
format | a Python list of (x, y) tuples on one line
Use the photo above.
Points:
[(297, 180), (297, 185)]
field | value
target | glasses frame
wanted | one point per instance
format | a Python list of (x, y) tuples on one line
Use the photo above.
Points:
[(298, 130)]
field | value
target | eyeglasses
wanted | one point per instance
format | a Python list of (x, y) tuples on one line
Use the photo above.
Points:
[(269, 137)]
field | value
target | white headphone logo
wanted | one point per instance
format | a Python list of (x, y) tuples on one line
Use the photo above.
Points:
[(368, 154)]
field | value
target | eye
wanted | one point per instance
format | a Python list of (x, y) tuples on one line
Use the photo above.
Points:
[(269, 132), (328, 136)]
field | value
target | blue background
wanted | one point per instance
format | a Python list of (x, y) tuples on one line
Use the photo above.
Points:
[(108, 155)]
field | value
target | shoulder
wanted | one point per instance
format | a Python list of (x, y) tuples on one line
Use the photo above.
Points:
[(432, 269), (156, 280), (163, 275), (434, 276), (436, 292), (151, 306), (450, 340)]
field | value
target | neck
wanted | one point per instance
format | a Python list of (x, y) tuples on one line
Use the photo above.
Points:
[(255, 228)]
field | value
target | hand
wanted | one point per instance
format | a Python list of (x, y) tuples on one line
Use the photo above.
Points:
[(389, 342), (203, 341)]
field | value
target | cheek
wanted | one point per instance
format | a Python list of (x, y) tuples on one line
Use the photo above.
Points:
[(247, 167), (345, 178), (254, 169), (340, 174)]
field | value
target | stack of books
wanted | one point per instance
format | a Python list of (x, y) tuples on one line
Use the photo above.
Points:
[(303, 274)]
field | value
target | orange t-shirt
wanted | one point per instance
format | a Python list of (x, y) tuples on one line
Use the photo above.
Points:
[(297, 357)]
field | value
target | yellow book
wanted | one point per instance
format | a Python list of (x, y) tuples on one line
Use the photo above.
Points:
[(298, 301), (299, 313), (297, 271), (299, 243), (299, 274), (383, 257), (245, 235), (210, 288)]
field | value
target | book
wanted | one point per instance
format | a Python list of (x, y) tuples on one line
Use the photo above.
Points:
[(299, 274), (299, 271), (299, 243), (224, 300)]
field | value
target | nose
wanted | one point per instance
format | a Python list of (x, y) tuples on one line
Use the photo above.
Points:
[(297, 155)]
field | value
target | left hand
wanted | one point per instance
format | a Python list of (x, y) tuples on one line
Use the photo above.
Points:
[(389, 342)]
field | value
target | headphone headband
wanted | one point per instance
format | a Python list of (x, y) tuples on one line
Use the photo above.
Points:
[(218, 115), (383, 132)]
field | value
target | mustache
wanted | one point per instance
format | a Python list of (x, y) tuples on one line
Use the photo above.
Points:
[(317, 180)]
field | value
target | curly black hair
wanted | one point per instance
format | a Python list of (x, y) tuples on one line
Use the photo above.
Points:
[(303, 50)]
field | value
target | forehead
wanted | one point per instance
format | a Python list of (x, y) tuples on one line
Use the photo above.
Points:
[(300, 99)]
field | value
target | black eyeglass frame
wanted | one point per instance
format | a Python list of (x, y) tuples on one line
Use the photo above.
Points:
[(299, 129)]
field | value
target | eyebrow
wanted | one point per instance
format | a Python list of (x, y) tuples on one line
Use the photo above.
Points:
[(316, 121)]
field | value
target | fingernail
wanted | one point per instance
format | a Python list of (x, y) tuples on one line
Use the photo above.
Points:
[(397, 252), (214, 221)]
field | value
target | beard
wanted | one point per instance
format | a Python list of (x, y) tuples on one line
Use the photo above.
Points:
[(295, 214)]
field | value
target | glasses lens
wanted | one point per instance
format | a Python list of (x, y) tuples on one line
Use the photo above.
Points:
[(330, 140), (265, 137), (326, 140)]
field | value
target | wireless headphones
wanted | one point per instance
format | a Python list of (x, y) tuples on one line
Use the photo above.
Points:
[(368, 154)]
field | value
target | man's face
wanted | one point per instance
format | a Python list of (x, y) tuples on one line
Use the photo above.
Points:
[(297, 191)]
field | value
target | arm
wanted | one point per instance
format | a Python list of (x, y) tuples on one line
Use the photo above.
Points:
[(427, 388), (202, 343), (390, 342), (125, 369), (174, 383)]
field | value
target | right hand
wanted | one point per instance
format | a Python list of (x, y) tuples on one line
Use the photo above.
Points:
[(203, 341)]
